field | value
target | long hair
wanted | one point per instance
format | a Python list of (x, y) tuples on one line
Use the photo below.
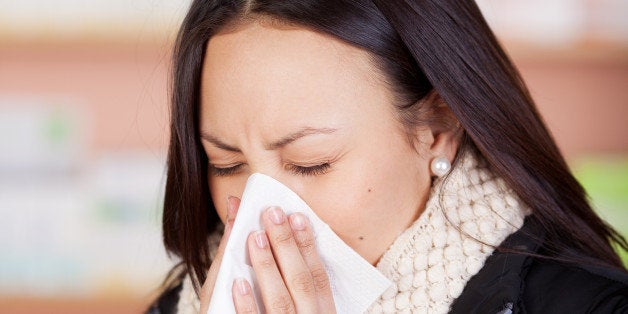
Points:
[(421, 46)]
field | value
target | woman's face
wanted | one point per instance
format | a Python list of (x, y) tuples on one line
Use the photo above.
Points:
[(312, 112)]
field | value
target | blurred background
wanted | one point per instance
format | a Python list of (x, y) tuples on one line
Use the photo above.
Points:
[(84, 119)]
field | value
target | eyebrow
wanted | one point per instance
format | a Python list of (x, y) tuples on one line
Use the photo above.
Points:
[(218, 143), (297, 135), (305, 131)]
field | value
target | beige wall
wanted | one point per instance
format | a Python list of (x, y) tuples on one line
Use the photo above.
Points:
[(583, 96)]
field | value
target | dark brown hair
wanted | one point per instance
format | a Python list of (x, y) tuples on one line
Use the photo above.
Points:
[(421, 46)]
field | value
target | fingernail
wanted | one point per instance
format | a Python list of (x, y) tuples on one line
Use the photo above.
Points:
[(231, 210), (243, 286), (260, 239), (276, 215), (298, 221)]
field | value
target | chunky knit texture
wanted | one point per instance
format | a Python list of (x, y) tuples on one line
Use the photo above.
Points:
[(466, 216)]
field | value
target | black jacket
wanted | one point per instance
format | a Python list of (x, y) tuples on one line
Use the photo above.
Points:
[(516, 283)]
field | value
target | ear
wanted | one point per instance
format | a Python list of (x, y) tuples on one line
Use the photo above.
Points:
[(446, 132), (441, 136)]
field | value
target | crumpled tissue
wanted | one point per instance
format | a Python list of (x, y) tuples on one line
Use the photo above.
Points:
[(354, 282)]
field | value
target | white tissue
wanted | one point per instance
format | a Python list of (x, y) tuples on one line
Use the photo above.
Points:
[(355, 283)]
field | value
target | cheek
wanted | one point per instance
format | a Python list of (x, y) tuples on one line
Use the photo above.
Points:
[(372, 198), (352, 201), (334, 200)]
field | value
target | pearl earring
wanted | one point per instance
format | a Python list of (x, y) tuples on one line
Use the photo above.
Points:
[(440, 166)]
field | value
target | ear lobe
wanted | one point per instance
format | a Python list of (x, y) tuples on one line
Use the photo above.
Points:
[(445, 143)]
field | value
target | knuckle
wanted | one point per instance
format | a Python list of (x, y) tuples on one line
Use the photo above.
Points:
[(247, 309), (283, 304), (320, 279), (283, 238), (266, 264), (303, 282), (306, 245)]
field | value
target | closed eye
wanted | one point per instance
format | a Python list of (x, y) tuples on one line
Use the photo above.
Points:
[(299, 170), (223, 172), (310, 171)]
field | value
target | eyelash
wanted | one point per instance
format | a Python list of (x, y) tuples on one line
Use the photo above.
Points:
[(223, 172), (304, 171), (311, 171)]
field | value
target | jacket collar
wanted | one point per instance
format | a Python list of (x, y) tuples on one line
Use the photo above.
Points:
[(498, 286)]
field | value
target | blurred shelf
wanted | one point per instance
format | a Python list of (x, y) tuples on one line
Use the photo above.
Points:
[(105, 305)]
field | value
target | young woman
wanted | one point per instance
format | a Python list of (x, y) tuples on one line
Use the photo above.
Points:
[(406, 128)]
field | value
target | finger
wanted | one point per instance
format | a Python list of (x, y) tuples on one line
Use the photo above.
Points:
[(243, 298), (233, 204), (208, 286), (304, 237), (293, 268), (274, 292)]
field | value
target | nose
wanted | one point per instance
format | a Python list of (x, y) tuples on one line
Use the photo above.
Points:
[(268, 166)]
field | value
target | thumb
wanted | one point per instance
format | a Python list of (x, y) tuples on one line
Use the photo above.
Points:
[(233, 203)]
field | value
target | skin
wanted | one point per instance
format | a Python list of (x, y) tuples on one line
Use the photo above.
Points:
[(262, 83)]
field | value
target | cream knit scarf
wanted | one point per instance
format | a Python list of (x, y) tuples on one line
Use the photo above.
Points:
[(429, 264)]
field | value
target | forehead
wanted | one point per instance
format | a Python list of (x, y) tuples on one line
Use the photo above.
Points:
[(266, 73)]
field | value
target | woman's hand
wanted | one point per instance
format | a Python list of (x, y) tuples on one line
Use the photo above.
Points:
[(289, 272), (233, 203)]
